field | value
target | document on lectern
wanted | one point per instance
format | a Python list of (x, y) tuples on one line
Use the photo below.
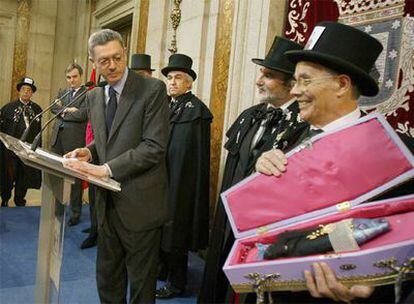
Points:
[(48, 161)]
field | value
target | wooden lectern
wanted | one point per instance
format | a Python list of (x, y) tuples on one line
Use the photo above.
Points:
[(56, 187)]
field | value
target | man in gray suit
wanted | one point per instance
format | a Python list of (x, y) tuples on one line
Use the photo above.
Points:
[(129, 118), (69, 130)]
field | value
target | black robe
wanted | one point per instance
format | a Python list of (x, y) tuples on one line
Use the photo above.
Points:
[(12, 122), (287, 129), (188, 163)]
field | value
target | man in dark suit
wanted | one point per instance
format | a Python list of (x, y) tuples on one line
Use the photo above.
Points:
[(129, 118), (69, 130), (329, 78)]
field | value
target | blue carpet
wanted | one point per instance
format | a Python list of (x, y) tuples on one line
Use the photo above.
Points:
[(19, 228)]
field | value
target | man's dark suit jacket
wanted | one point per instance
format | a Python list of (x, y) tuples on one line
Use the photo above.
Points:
[(75, 125), (134, 150)]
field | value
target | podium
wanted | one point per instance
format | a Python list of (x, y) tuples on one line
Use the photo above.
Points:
[(55, 196)]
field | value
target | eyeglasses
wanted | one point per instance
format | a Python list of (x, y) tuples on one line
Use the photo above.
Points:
[(305, 82), (106, 61)]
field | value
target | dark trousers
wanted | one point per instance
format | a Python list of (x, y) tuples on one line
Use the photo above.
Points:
[(92, 210), (176, 266), (15, 178), (76, 190), (125, 256)]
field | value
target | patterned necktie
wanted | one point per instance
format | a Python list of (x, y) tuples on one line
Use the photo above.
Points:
[(111, 109), (271, 119)]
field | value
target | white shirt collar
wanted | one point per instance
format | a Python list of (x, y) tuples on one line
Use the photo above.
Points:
[(283, 106), (119, 86), (342, 121)]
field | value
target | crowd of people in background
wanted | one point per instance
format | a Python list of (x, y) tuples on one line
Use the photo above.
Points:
[(154, 138)]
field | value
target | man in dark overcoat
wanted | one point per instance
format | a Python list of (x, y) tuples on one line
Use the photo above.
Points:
[(15, 117), (129, 119), (273, 123), (68, 132), (188, 164)]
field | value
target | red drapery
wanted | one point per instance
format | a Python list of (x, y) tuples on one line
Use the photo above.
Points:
[(303, 15)]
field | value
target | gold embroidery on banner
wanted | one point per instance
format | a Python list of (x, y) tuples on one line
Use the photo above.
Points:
[(360, 11), (296, 19)]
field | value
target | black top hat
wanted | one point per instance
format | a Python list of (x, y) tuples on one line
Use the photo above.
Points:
[(179, 62), (26, 81), (343, 49), (275, 58), (141, 62)]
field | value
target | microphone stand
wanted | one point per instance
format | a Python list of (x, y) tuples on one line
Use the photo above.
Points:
[(36, 140), (26, 131)]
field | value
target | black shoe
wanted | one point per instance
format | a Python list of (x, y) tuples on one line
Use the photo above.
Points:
[(5, 203), (168, 292), (89, 242), (87, 230), (20, 203), (73, 221)]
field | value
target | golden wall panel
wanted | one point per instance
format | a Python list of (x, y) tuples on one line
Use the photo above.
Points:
[(142, 26), (20, 44), (219, 85)]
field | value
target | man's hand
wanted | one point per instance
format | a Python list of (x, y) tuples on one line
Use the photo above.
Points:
[(272, 162), (70, 110), (97, 171), (325, 285), (82, 154)]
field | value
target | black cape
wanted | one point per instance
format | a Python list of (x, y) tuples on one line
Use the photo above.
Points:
[(238, 165), (12, 122), (188, 163)]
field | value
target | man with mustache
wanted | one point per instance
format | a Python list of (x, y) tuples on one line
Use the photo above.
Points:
[(271, 123)]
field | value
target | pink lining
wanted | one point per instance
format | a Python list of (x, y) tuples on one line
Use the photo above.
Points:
[(400, 214), (340, 167)]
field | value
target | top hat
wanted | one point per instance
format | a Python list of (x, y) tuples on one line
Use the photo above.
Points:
[(275, 58), (343, 49), (141, 62), (179, 62), (26, 81)]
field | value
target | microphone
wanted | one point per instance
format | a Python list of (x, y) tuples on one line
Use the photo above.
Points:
[(26, 131), (36, 141)]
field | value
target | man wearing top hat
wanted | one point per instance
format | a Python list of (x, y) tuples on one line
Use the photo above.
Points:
[(331, 73), (15, 117), (188, 164), (141, 64), (273, 123)]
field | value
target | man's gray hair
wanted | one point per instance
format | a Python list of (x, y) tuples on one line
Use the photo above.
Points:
[(103, 37), (190, 80)]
